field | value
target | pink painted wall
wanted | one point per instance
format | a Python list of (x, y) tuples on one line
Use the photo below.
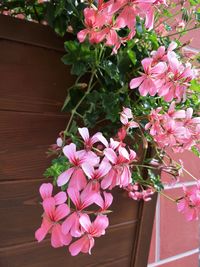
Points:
[(175, 242)]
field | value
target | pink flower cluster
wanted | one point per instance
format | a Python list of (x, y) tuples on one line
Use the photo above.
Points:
[(92, 173), (103, 23), (177, 130), (189, 204), (164, 75)]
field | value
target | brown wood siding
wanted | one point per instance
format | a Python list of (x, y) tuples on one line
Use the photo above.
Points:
[(33, 86)]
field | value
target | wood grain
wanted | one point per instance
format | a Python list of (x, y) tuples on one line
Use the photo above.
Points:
[(30, 33), (21, 211), (25, 138), (32, 78), (107, 251)]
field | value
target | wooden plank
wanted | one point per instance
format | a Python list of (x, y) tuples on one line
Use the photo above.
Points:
[(29, 32), (144, 230), (32, 79), (21, 211), (25, 138), (114, 246)]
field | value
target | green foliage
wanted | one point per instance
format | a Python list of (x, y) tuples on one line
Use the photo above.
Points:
[(196, 151), (155, 180), (195, 86), (80, 56), (58, 166)]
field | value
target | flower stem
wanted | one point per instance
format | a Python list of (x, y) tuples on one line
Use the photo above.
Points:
[(186, 30), (168, 197), (180, 166), (74, 110)]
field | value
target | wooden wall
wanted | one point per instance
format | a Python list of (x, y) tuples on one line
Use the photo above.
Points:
[(33, 85)]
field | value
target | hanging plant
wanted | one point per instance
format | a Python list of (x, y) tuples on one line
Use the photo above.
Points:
[(135, 89)]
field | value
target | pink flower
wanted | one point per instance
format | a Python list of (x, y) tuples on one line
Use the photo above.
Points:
[(175, 129), (104, 203), (188, 118), (90, 141), (81, 201), (46, 190), (98, 173), (95, 175), (172, 113), (189, 205), (120, 173), (95, 229), (50, 224), (126, 118), (76, 158), (147, 83)]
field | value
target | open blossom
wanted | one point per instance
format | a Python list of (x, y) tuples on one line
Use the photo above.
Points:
[(120, 173), (75, 174), (81, 201), (91, 230), (164, 75), (46, 190), (147, 83), (104, 202), (189, 204), (126, 118), (175, 129), (50, 223), (104, 21), (95, 174), (90, 141)]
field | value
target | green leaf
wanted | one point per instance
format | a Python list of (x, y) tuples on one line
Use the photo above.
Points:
[(58, 166), (74, 95), (111, 105), (80, 56), (155, 179), (195, 86), (196, 151), (132, 56)]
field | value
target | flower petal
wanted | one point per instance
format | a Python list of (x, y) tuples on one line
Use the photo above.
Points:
[(46, 190), (88, 169), (76, 247), (64, 177), (85, 222), (61, 211), (134, 83), (60, 198), (110, 155), (84, 133), (43, 230), (70, 152)]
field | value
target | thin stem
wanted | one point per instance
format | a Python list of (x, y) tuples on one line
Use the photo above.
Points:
[(180, 166), (168, 197), (172, 17), (144, 166), (186, 30), (74, 110), (160, 192)]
